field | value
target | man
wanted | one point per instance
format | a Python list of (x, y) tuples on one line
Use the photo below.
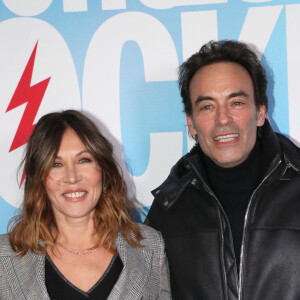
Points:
[(229, 211)]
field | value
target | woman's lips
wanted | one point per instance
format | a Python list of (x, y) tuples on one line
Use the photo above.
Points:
[(74, 194)]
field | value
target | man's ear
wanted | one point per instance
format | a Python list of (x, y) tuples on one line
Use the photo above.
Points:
[(190, 124), (261, 115)]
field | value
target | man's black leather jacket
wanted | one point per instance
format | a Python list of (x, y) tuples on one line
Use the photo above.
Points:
[(198, 237)]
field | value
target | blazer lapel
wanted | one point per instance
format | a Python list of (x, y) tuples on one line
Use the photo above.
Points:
[(135, 273), (26, 276)]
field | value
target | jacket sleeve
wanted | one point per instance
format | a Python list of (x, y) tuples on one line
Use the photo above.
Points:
[(154, 216), (165, 289), (159, 283), (5, 290)]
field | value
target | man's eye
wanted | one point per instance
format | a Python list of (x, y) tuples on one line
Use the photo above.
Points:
[(237, 103), (206, 107)]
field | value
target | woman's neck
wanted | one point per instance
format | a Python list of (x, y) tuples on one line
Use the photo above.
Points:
[(75, 233)]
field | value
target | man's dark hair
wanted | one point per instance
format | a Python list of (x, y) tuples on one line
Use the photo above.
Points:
[(223, 51)]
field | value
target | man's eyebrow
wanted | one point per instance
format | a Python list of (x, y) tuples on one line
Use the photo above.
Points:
[(203, 98), (239, 94)]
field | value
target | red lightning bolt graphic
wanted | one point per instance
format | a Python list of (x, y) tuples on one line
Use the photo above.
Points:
[(33, 95)]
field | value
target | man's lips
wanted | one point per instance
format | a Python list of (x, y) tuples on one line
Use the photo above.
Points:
[(226, 138)]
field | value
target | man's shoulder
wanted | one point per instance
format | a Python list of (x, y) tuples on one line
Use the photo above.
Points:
[(181, 175), (287, 143), (290, 150), (276, 143), (182, 166)]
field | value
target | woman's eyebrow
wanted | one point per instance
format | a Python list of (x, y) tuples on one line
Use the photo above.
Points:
[(83, 151), (78, 154)]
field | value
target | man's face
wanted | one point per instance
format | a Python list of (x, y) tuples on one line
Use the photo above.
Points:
[(224, 115)]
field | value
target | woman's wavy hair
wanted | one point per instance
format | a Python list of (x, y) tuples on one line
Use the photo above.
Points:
[(31, 230)]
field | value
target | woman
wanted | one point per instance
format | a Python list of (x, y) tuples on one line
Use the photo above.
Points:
[(75, 238)]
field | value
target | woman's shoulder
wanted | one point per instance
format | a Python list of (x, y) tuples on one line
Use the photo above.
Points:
[(147, 231), (5, 248), (151, 238)]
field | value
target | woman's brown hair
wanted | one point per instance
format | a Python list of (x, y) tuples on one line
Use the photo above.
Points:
[(30, 230)]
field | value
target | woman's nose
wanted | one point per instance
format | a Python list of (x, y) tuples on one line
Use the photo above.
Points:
[(71, 174)]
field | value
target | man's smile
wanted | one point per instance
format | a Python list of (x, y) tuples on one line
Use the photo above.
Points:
[(226, 138)]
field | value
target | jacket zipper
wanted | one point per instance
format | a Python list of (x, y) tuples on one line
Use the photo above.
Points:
[(221, 227), (222, 234), (222, 237), (276, 164), (245, 223), (289, 165)]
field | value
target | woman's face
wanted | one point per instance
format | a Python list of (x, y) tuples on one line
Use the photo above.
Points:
[(74, 182)]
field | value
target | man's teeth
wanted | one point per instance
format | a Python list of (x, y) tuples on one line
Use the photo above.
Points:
[(74, 195), (226, 138)]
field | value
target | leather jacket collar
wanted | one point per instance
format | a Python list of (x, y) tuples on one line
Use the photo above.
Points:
[(274, 146)]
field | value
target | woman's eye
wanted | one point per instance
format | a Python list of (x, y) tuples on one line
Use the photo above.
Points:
[(85, 160), (56, 165)]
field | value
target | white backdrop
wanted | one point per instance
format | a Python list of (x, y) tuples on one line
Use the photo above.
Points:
[(117, 61)]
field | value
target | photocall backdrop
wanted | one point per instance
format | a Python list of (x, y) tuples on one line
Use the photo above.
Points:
[(117, 61)]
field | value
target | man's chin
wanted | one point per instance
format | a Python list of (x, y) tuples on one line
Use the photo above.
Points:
[(228, 162)]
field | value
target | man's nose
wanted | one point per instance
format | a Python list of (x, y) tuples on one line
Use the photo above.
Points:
[(223, 116)]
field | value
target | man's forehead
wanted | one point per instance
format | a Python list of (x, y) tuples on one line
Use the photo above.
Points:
[(222, 77)]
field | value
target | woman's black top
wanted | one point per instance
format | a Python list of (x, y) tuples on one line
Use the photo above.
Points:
[(59, 287)]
